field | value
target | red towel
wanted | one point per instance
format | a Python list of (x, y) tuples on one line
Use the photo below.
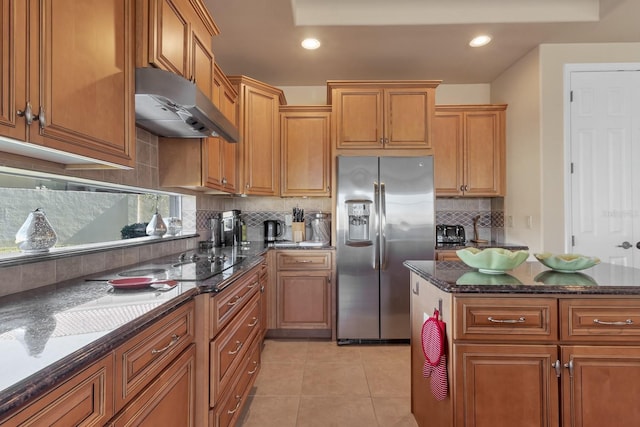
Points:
[(435, 364)]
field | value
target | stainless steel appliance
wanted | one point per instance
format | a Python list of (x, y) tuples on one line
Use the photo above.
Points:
[(450, 234), (273, 230), (385, 215), (231, 229), (216, 230)]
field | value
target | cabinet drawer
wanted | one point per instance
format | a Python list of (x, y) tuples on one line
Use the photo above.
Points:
[(84, 400), (228, 411), (231, 301), (308, 260), (141, 358), (515, 319), (600, 319), (230, 346)]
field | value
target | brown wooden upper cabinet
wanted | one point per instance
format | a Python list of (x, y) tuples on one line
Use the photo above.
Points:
[(305, 144), (175, 35), (469, 150), (259, 125), (69, 80), (382, 114)]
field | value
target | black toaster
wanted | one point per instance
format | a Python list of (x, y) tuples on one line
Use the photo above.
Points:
[(450, 234)]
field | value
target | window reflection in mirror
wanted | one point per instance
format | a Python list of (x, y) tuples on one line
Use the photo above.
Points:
[(80, 211)]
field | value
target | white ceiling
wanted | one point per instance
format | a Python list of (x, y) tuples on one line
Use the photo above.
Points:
[(404, 39)]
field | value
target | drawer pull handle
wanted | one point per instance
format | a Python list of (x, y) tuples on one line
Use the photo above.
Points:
[(303, 261), (254, 323), (235, 301), (602, 322), (238, 347), (253, 285), (174, 340), (520, 320), (254, 370), (232, 411)]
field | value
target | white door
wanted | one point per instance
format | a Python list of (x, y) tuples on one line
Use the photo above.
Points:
[(605, 159)]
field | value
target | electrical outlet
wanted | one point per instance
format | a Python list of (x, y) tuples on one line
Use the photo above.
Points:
[(529, 221), (510, 221), (288, 219)]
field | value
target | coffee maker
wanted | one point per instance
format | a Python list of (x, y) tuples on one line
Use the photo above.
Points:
[(231, 228)]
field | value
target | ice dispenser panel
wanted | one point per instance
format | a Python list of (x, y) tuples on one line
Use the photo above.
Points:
[(359, 216)]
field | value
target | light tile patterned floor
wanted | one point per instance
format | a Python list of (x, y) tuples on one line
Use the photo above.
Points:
[(318, 383)]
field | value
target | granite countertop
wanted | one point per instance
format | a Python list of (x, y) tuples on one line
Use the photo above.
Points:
[(529, 278), (49, 333), (470, 244)]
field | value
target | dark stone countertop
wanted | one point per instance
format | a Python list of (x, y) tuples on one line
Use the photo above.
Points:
[(470, 244), (49, 334), (529, 278)]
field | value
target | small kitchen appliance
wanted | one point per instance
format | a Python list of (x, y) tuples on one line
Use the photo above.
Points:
[(273, 230), (450, 234), (216, 230), (231, 228)]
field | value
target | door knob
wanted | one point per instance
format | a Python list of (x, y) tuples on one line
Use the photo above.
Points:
[(626, 245)]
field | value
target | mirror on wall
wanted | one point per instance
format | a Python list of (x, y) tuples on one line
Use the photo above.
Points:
[(82, 212)]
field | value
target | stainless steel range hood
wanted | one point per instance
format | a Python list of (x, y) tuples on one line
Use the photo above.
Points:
[(170, 105)]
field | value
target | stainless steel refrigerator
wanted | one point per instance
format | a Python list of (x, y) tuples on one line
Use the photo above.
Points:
[(384, 216)]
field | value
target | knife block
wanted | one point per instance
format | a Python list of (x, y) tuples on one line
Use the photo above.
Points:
[(297, 231)]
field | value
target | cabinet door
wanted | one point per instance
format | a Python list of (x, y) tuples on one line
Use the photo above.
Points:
[(169, 400), (169, 36), (602, 386), (229, 151), (304, 300), (82, 77), (201, 57), (13, 56), (484, 153), (84, 400), (407, 118), (506, 385), (448, 157), (359, 118), (305, 149), (261, 142)]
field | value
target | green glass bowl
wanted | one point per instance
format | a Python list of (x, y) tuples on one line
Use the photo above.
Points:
[(566, 263), (492, 260)]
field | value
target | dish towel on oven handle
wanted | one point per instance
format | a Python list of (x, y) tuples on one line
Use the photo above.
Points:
[(435, 364)]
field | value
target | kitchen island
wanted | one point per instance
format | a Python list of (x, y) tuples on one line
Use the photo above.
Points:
[(533, 347)]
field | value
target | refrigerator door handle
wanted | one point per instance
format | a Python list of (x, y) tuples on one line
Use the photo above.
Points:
[(376, 210), (383, 225)]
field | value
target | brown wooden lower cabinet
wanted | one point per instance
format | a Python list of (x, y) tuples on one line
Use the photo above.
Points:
[(168, 401), (304, 293), (505, 385), (529, 361), (84, 400)]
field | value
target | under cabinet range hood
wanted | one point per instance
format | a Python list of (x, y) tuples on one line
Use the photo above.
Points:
[(170, 105)]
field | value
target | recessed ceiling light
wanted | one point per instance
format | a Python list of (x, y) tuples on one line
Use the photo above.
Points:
[(310, 44), (480, 41)]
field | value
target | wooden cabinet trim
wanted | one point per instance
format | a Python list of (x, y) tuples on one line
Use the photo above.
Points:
[(85, 399), (513, 319), (230, 346), (308, 260), (618, 320), (142, 357)]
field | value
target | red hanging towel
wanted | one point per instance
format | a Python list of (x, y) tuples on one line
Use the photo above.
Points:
[(435, 364)]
